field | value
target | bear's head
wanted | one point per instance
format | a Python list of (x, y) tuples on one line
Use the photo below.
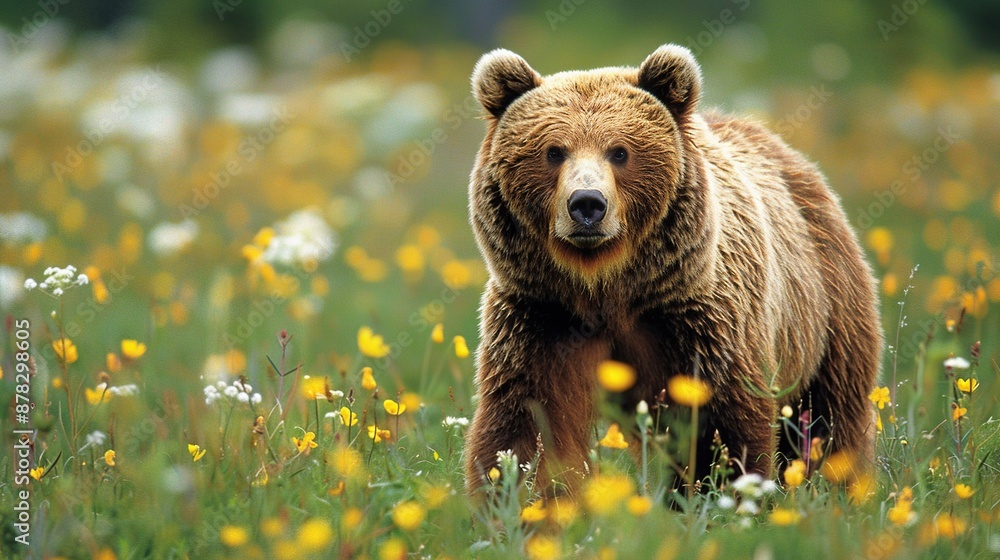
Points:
[(586, 162)]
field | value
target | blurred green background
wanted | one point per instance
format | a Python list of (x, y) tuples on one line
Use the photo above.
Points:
[(226, 169)]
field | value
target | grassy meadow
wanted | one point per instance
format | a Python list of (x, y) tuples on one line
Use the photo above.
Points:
[(271, 354)]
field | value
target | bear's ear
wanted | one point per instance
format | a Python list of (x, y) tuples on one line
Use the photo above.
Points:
[(501, 77), (673, 76)]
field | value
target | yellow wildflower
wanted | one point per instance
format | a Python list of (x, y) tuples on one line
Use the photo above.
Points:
[(392, 549), (367, 379), (949, 526), (688, 391), (782, 516), (461, 349), (408, 515), (604, 492), (542, 547), (890, 284), (862, 488), (902, 513), (534, 512), (967, 385), (393, 408), (133, 349), (371, 344), (305, 443), (958, 412), (436, 495), (346, 461), (795, 474), (563, 511), (196, 452), (347, 417), (456, 274), (880, 396), (437, 333), (880, 241), (639, 505), (272, 527), (352, 518), (615, 376), (410, 400), (98, 394), (263, 237), (314, 387), (233, 536), (65, 349), (113, 362), (37, 472), (964, 491), (839, 467), (378, 435), (493, 474), (614, 439), (411, 259), (314, 535), (109, 457)]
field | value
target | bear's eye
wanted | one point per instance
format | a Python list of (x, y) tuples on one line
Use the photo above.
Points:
[(619, 155), (555, 155)]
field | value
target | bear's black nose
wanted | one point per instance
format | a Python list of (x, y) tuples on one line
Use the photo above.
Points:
[(587, 206)]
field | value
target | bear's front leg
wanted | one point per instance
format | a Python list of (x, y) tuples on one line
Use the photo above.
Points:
[(745, 424), (535, 379)]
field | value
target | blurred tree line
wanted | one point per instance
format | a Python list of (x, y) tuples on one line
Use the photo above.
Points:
[(880, 37)]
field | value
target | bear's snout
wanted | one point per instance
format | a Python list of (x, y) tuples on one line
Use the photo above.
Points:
[(587, 207)]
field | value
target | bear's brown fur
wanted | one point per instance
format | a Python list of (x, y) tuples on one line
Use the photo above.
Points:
[(702, 245)]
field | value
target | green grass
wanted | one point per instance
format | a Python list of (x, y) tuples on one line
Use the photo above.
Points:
[(406, 261)]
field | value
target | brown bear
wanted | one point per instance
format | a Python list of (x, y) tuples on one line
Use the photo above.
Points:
[(619, 222)]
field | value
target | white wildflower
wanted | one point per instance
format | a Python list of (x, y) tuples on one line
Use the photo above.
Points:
[(747, 482), (748, 507), (95, 439), (301, 238), (22, 228), (129, 390), (12, 285), (455, 421), (57, 281), (167, 239), (243, 397), (726, 502), (957, 363), (642, 408)]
